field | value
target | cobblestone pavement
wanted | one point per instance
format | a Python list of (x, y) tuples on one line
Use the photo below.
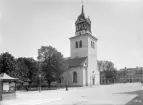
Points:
[(117, 94)]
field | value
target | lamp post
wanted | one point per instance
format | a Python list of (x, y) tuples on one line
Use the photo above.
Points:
[(40, 82), (66, 82)]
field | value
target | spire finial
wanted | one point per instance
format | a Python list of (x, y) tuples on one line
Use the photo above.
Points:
[(82, 7)]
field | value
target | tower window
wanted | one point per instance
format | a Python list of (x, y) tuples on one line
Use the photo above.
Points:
[(82, 26), (79, 27), (76, 44), (91, 44), (80, 44), (76, 28)]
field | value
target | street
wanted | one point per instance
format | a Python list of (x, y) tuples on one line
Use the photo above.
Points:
[(123, 94)]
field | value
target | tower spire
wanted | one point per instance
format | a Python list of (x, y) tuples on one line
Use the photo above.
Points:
[(82, 8)]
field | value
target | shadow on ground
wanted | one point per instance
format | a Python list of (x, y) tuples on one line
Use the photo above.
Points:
[(138, 100)]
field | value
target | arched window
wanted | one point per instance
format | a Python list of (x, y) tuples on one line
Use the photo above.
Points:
[(76, 44), (74, 77), (80, 44), (79, 27)]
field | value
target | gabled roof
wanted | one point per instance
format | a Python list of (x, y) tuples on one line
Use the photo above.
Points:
[(4, 76), (76, 61)]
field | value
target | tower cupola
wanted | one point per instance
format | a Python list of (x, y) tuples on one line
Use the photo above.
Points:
[(83, 24)]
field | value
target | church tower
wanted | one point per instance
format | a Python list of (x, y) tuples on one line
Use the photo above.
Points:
[(84, 44)]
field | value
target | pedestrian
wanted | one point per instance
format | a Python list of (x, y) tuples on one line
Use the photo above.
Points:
[(66, 87)]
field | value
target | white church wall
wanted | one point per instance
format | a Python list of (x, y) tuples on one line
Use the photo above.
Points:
[(79, 52), (69, 76), (92, 61), (97, 77)]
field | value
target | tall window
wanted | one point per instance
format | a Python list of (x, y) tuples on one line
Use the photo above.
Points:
[(92, 45), (76, 27), (80, 44), (79, 27), (76, 44), (74, 77)]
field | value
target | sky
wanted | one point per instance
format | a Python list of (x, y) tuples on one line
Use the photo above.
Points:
[(26, 25)]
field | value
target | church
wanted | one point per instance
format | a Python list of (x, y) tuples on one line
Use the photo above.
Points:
[(83, 70)]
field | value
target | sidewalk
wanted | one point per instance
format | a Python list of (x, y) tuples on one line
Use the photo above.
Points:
[(101, 94), (34, 97)]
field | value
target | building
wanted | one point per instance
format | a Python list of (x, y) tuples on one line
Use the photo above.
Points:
[(82, 62), (130, 74)]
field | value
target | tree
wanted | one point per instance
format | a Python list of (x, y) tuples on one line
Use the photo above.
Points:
[(21, 68), (26, 69), (105, 65), (52, 63), (101, 65), (7, 64), (108, 70), (32, 69)]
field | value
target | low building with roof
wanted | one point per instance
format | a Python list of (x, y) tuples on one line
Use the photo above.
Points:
[(7, 87)]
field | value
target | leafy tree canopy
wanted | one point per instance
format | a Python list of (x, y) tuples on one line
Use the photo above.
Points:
[(105, 66), (107, 69), (7, 63), (51, 62), (26, 68)]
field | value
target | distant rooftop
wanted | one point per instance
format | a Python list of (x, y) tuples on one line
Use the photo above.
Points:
[(137, 68)]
